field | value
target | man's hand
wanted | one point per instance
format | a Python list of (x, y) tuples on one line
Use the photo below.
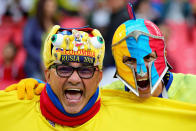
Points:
[(28, 87)]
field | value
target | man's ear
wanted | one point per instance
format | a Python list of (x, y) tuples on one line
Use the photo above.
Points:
[(100, 76), (47, 74)]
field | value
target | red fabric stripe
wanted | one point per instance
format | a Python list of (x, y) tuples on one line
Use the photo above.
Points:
[(156, 45), (49, 110)]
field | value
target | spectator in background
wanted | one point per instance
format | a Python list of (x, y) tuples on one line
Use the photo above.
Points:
[(35, 29), (74, 13), (118, 16), (72, 19), (143, 9), (192, 21), (99, 18), (15, 8), (12, 21), (9, 71), (181, 44)]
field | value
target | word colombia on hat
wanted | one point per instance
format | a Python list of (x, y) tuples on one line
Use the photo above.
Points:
[(84, 45)]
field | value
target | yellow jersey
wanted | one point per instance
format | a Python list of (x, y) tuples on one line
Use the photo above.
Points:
[(120, 111)]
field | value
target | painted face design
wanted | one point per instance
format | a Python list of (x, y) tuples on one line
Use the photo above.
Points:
[(142, 61)]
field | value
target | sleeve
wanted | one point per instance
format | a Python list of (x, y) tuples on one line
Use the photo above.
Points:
[(183, 88), (12, 110), (116, 85)]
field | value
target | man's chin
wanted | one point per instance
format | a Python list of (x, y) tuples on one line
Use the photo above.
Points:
[(144, 95), (72, 110), (144, 92), (73, 106)]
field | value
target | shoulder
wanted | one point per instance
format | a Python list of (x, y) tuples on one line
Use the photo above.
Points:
[(15, 111), (183, 87), (11, 98), (120, 108), (113, 99), (116, 85), (8, 95), (183, 80), (186, 77)]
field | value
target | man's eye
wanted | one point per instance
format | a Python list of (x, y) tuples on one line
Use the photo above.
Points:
[(64, 69), (131, 61), (147, 57), (150, 58), (85, 70)]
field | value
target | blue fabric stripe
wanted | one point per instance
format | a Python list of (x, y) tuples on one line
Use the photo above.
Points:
[(170, 81), (126, 88), (59, 106), (154, 74), (39, 81), (160, 95), (140, 48), (54, 98)]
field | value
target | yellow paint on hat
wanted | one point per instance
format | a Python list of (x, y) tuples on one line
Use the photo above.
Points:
[(78, 46)]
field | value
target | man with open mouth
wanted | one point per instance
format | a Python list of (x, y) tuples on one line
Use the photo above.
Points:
[(139, 51)]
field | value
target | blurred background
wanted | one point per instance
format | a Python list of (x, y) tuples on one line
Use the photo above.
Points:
[(25, 23)]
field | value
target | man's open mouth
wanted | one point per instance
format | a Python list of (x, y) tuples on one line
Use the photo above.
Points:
[(143, 83), (73, 95)]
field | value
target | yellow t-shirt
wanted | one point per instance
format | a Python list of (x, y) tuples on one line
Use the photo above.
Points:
[(120, 111)]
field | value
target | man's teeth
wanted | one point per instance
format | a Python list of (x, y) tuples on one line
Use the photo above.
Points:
[(73, 94), (144, 79), (73, 90)]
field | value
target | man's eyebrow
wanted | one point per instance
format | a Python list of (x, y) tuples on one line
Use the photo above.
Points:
[(66, 63), (152, 54), (125, 59), (86, 64)]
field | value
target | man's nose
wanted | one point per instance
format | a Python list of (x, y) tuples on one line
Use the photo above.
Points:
[(141, 67), (74, 78)]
